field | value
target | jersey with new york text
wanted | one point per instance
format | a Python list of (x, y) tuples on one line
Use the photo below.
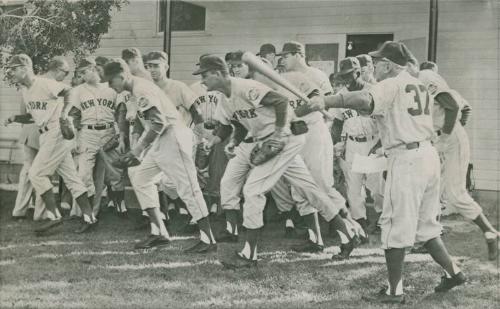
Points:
[(42, 100), (97, 104)]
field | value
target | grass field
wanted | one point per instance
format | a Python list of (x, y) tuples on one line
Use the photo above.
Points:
[(100, 270)]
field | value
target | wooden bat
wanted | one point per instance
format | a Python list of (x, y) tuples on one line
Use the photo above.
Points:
[(258, 65)]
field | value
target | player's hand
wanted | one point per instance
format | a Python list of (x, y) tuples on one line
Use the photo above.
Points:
[(339, 149), (121, 146), (9, 120), (229, 150), (317, 102)]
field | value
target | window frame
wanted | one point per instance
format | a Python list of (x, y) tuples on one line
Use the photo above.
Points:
[(177, 33)]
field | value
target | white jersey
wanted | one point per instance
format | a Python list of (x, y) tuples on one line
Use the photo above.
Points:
[(435, 85), (244, 106), (97, 104), (402, 110), (182, 97), (147, 95), (206, 101), (42, 101), (319, 79), (305, 86), (355, 124)]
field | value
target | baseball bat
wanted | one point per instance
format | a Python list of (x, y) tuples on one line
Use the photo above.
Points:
[(258, 65)]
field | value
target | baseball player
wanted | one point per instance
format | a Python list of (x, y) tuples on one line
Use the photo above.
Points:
[(453, 144), (165, 147), (43, 106), (95, 103), (263, 113), (58, 69), (135, 62), (268, 51), (429, 65), (359, 135), (400, 104), (366, 65)]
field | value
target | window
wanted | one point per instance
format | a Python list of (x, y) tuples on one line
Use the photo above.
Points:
[(364, 43), (185, 16)]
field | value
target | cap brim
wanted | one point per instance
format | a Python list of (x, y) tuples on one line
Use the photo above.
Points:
[(199, 71), (375, 54), (342, 73)]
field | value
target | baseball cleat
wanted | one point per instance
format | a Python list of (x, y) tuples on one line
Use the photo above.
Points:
[(309, 247), (492, 244), (345, 251), (225, 236), (201, 247), (85, 227), (382, 297), (44, 227), (189, 229), (18, 218), (152, 241), (447, 284), (238, 261)]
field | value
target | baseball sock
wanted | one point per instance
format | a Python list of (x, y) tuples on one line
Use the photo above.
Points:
[(439, 253), (49, 199), (119, 198), (154, 229), (83, 202), (250, 249), (289, 223), (232, 221), (484, 224), (318, 230), (206, 235), (310, 223), (339, 225), (394, 259)]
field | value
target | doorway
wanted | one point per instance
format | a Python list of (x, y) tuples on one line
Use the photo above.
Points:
[(357, 44)]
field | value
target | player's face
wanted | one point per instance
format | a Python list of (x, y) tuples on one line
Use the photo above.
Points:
[(350, 78), (77, 79), (157, 70), (61, 73), (211, 79), (16, 74), (239, 69), (382, 68), (290, 61), (89, 75), (100, 71), (272, 58), (117, 83)]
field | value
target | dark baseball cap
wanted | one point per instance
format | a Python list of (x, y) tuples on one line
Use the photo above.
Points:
[(157, 55), (395, 52), (235, 56), (364, 59), (292, 47), (101, 60), (211, 62), (131, 53), (19, 60), (86, 62), (114, 67), (265, 49), (428, 65), (348, 65)]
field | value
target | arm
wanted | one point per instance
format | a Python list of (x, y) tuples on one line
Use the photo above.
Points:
[(157, 127), (121, 120), (361, 101), (450, 106), (223, 131), (68, 100), (466, 113), (337, 126), (23, 118), (76, 114), (305, 109), (137, 131), (280, 104)]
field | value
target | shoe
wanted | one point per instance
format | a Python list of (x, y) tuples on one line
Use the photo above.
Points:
[(201, 247), (225, 236), (492, 244), (238, 261), (19, 218), (419, 250), (382, 297), (48, 225), (152, 241), (65, 206), (85, 227), (345, 251), (290, 232), (309, 247), (447, 284)]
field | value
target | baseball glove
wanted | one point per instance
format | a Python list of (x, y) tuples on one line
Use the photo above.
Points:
[(126, 160), (201, 157), (112, 143), (66, 128), (266, 151)]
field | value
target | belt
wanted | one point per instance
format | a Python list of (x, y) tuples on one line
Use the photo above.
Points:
[(99, 126), (438, 132), (413, 145), (43, 129), (361, 139), (254, 139)]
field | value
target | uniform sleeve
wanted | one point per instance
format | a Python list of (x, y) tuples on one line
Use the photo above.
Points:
[(54, 87), (188, 96), (383, 95), (73, 98), (255, 93), (145, 102), (221, 115)]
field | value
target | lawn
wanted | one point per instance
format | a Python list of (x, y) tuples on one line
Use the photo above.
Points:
[(101, 270)]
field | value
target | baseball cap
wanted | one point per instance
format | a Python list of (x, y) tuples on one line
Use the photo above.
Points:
[(211, 62), (131, 53), (348, 65), (113, 67), (86, 62), (265, 49), (235, 56), (292, 47), (101, 60), (395, 52), (19, 60), (428, 65), (157, 57), (364, 60)]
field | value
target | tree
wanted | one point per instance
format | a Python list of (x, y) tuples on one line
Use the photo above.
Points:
[(44, 29)]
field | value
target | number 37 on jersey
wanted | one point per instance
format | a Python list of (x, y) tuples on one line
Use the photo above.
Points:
[(420, 104)]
